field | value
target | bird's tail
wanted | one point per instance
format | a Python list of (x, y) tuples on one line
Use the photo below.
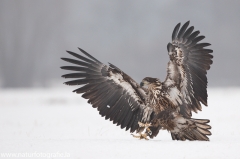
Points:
[(196, 129)]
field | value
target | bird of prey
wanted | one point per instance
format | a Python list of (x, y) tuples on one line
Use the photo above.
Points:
[(152, 105)]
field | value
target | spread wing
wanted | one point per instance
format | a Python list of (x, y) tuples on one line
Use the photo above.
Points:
[(187, 69), (115, 95)]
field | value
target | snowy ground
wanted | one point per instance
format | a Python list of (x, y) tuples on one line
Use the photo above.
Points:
[(58, 121)]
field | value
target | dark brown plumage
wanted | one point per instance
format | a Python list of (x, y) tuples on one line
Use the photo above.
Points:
[(153, 105)]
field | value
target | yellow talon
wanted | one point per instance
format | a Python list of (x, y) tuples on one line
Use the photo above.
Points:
[(147, 132), (141, 136)]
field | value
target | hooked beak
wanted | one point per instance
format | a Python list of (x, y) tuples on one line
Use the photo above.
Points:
[(141, 84)]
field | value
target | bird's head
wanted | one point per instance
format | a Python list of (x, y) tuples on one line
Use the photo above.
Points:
[(150, 81)]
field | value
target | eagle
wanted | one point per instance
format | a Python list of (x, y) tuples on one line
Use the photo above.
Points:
[(152, 105)]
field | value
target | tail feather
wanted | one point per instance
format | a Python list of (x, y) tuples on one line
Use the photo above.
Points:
[(202, 126), (196, 129), (188, 136), (204, 131), (200, 121)]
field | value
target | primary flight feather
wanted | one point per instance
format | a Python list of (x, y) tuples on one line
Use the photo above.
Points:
[(152, 105)]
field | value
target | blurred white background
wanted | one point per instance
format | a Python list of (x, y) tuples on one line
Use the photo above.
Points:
[(132, 35)]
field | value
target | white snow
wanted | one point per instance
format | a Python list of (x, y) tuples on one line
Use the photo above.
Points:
[(59, 121)]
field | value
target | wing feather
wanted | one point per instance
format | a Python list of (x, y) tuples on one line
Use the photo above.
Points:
[(116, 96), (187, 69), (188, 32), (182, 30), (175, 31)]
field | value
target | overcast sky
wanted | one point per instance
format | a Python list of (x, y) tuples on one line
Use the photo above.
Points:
[(132, 35)]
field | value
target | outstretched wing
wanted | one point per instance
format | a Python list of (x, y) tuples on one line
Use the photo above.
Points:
[(115, 95), (187, 68)]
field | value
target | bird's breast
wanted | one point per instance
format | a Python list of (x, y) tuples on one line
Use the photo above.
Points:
[(158, 101)]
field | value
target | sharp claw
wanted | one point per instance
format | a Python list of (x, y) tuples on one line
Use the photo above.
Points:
[(141, 136), (135, 136), (147, 133)]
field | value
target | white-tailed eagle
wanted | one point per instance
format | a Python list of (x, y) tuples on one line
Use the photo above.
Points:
[(152, 105)]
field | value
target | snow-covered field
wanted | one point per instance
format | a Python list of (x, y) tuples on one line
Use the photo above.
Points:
[(55, 122)]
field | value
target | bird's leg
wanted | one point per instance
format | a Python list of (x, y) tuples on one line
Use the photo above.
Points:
[(146, 133)]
